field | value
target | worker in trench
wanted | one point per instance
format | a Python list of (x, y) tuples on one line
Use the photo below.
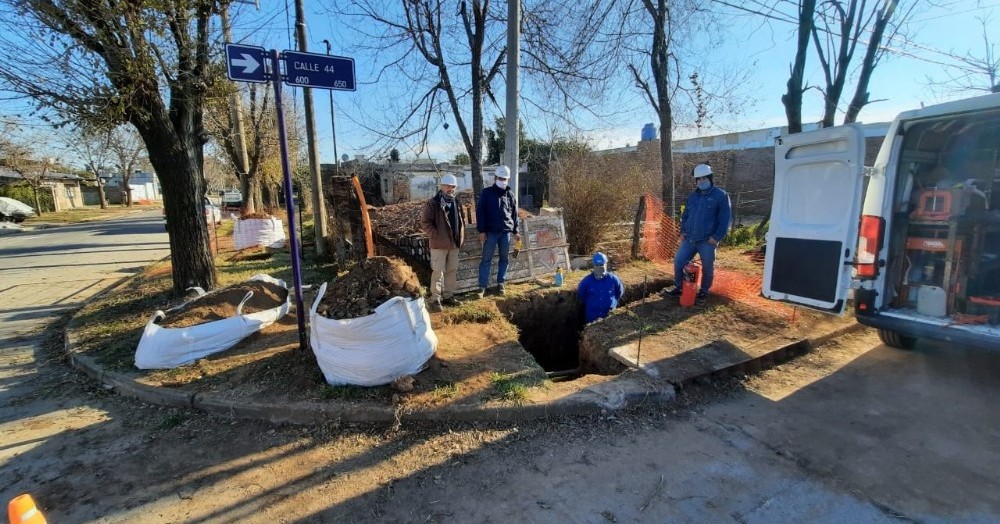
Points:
[(600, 291), (444, 226)]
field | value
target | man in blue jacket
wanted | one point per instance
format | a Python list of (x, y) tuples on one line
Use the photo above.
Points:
[(704, 223), (496, 221), (600, 291)]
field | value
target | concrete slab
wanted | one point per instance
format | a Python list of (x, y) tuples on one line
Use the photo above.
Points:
[(661, 358)]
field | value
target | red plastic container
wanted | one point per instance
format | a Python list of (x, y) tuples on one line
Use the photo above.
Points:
[(689, 285)]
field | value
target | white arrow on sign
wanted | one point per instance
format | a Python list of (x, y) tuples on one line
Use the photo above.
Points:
[(248, 63)]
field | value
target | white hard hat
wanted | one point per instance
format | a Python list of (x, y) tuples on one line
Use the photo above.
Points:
[(701, 170), (449, 180), (503, 172)]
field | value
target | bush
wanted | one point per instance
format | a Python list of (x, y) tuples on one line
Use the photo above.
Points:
[(24, 193), (748, 236), (595, 192)]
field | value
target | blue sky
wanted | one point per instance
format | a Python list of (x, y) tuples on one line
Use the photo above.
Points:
[(762, 47), (900, 82)]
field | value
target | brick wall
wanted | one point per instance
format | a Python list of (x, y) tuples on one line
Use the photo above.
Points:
[(747, 174)]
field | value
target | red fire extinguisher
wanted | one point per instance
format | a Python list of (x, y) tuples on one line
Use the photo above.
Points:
[(689, 285)]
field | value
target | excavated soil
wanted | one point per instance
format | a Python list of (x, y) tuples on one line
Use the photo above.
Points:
[(490, 350), (223, 303), (367, 286)]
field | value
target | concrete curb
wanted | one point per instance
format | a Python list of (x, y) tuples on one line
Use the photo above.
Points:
[(630, 389)]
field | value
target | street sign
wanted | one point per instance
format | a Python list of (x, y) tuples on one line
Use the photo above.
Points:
[(245, 63), (319, 71)]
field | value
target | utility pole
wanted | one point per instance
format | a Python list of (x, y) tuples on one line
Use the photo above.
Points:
[(333, 120), (236, 121), (319, 210), (513, 88), (338, 233)]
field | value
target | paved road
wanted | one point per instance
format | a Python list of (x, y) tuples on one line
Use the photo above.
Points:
[(854, 432), (46, 272)]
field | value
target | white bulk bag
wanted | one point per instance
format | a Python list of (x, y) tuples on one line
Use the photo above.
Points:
[(263, 232), (165, 348), (376, 349)]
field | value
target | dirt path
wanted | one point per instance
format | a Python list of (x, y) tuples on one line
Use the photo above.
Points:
[(90, 456)]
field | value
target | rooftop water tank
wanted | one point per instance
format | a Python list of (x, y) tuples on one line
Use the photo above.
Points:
[(648, 132)]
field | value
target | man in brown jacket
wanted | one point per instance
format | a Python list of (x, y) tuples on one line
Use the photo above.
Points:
[(442, 222)]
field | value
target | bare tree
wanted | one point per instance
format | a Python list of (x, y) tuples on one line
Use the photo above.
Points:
[(679, 88), (451, 60), (837, 29), (126, 152), (792, 99), (18, 157), (93, 146), (144, 63), (261, 141), (970, 72), (422, 28), (660, 15)]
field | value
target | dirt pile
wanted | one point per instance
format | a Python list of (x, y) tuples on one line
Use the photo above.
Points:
[(222, 304), (258, 215), (403, 219), (367, 286)]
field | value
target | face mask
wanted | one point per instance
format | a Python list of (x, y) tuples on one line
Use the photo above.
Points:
[(704, 185), (501, 183), (599, 271)]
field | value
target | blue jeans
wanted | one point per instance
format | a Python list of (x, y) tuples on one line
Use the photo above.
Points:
[(686, 252), (494, 240)]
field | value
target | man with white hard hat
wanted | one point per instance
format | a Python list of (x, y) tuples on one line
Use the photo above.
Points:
[(496, 221), (444, 226), (704, 222)]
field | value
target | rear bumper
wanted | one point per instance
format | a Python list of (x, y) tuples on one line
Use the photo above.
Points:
[(912, 328)]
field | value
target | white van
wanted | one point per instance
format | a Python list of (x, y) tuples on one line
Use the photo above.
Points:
[(916, 236)]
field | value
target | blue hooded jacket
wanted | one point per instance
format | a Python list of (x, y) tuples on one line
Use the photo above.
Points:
[(706, 214), (495, 211), (599, 296)]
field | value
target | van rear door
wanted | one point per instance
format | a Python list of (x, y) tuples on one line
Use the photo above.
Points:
[(815, 210)]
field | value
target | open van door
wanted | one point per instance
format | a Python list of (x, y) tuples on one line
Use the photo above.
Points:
[(815, 211)]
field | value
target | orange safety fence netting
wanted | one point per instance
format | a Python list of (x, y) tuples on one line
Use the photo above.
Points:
[(739, 274)]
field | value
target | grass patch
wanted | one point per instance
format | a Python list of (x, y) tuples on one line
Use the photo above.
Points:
[(171, 421), (510, 387), (85, 214), (445, 390), (355, 393), (477, 311)]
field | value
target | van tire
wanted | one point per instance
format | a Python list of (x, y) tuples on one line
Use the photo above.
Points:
[(896, 339)]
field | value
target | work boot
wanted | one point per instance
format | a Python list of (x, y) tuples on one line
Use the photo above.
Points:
[(701, 297), (434, 306), (481, 293), (451, 301), (501, 290), (673, 292)]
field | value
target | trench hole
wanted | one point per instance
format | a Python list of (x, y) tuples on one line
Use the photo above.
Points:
[(551, 323)]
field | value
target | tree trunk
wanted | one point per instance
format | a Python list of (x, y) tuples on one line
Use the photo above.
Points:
[(100, 193), (190, 253), (38, 203), (792, 99), (860, 98), (659, 57)]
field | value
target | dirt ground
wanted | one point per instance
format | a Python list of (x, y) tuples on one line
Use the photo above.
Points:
[(132, 462), (493, 351)]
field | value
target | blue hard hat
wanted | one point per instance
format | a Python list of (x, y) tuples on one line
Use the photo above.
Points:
[(600, 259)]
